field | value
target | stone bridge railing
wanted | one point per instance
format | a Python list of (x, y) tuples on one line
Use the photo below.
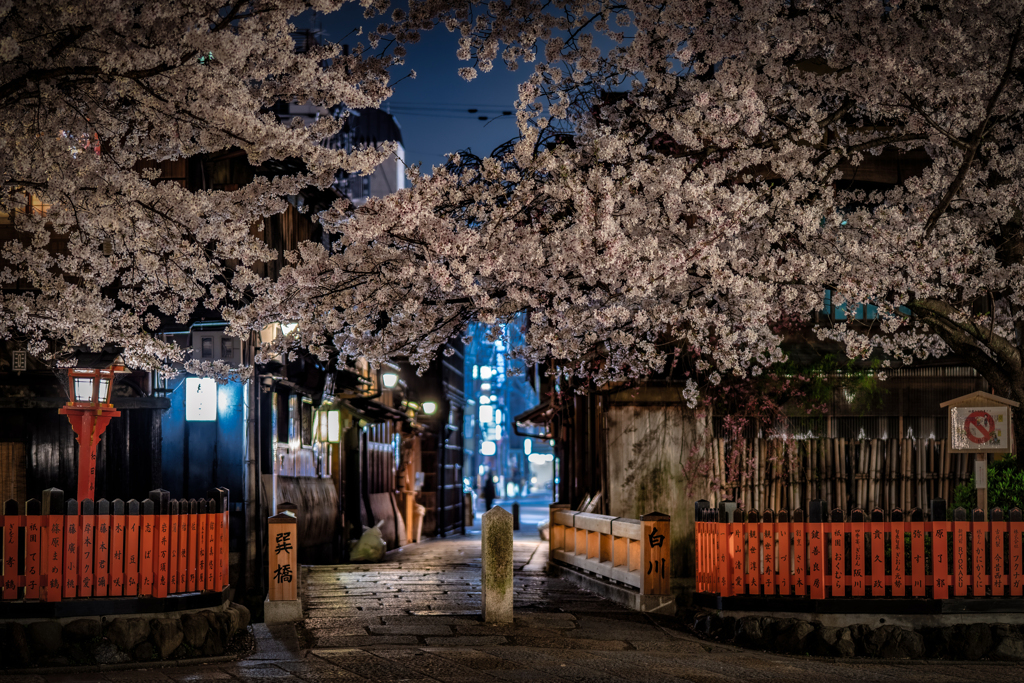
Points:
[(634, 552)]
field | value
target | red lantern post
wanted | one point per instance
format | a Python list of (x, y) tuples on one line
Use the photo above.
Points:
[(89, 412)]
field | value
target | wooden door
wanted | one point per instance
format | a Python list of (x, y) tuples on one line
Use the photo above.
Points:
[(12, 471)]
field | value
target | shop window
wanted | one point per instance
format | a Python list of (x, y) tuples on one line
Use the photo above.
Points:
[(294, 424)]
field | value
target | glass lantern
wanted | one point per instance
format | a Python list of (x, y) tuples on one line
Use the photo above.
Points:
[(93, 386)]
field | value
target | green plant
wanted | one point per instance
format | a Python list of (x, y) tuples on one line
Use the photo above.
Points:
[(823, 377), (1005, 488), (867, 391)]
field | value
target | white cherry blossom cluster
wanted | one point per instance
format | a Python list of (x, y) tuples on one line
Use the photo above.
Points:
[(688, 173), (96, 247)]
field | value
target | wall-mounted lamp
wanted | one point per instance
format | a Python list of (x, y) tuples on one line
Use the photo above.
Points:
[(429, 407), (328, 426), (334, 426), (390, 380)]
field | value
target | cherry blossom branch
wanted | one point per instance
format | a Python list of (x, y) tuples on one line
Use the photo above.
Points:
[(976, 137), (945, 314), (957, 142)]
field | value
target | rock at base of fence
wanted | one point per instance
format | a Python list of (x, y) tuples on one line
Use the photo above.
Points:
[(496, 541), (281, 611), (973, 641), (120, 640)]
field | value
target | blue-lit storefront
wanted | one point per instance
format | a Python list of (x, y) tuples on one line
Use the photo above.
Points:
[(204, 437)]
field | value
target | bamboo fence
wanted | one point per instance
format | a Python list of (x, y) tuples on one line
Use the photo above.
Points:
[(776, 474)]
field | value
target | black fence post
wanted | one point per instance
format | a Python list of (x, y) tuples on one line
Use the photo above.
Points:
[(816, 511)]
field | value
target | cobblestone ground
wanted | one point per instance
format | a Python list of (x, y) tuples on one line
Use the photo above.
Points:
[(415, 618)]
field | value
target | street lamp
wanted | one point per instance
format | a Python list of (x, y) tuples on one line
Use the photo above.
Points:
[(89, 411)]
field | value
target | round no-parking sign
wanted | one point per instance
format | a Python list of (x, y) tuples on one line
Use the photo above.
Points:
[(980, 428)]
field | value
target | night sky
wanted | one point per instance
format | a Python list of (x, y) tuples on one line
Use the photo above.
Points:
[(432, 109)]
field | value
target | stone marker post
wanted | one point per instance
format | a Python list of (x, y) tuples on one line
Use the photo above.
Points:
[(282, 602), (496, 541), (655, 553)]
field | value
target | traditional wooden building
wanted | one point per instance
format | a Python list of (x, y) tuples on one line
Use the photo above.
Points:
[(37, 445), (327, 437)]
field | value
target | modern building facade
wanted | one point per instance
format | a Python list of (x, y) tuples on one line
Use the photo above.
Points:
[(498, 388)]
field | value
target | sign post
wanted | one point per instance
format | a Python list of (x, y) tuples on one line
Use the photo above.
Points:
[(980, 423), (282, 603)]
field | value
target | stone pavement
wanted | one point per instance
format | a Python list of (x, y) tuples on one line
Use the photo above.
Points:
[(415, 618)]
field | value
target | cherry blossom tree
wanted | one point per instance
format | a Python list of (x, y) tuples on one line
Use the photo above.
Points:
[(689, 173), (96, 248)]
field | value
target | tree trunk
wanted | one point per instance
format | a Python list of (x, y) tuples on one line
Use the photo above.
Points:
[(1017, 418)]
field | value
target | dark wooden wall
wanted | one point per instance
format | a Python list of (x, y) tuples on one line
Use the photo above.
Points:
[(450, 513), (128, 455), (381, 455)]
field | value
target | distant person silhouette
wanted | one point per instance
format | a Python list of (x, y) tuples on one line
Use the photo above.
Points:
[(489, 492)]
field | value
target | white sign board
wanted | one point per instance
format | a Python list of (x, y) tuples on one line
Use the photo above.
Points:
[(982, 429), (981, 474), (200, 399)]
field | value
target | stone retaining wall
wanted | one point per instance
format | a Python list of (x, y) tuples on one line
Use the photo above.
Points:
[(116, 640), (1004, 642)]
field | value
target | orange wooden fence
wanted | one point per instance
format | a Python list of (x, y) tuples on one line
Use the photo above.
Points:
[(159, 547), (787, 555)]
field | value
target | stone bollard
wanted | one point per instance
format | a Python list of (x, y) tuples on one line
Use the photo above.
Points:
[(496, 542)]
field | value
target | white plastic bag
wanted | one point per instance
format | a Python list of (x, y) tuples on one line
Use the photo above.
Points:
[(370, 547)]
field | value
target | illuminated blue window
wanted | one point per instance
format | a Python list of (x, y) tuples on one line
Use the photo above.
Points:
[(863, 312)]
